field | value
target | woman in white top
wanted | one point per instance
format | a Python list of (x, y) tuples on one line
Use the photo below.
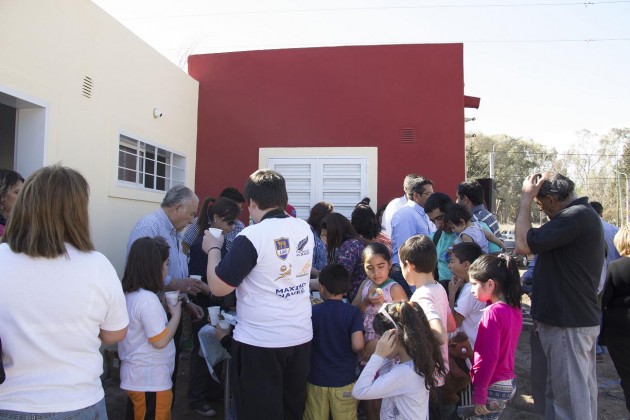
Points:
[(59, 301), (403, 385)]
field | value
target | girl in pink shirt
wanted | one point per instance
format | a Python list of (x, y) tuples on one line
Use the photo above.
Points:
[(495, 279)]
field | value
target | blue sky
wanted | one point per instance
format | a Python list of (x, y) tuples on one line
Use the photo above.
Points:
[(531, 62)]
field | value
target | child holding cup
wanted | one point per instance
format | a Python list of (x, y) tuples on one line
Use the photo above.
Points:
[(147, 352), (372, 294)]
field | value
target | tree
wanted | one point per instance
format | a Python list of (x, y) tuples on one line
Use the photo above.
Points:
[(595, 163), (514, 159)]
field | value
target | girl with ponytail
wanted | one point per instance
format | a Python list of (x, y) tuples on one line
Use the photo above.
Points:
[(403, 384), (495, 280)]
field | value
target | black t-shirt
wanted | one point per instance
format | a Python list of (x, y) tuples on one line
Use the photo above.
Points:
[(570, 250), (616, 298)]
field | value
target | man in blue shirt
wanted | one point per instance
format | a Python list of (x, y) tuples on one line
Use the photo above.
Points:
[(410, 220)]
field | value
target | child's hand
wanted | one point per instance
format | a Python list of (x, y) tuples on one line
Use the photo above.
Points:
[(387, 343), (454, 285), (375, 298), (174, 309), (210, 241), (481, 409), (368, 350)]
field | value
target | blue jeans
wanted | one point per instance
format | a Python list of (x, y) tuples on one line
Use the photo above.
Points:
[(571, 377), (97, 411)]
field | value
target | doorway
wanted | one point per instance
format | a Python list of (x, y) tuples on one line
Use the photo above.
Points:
[(22, 133)]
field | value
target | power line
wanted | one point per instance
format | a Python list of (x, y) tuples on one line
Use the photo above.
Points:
[(340, 9), (397, 42), (507, 152)]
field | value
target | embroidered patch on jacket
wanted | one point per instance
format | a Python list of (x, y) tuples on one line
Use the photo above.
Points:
[(300, 248), (284, 272), (282, 247)]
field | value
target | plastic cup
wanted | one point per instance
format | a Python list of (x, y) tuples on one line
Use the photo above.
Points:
[(224, 324), (213, 312), (172, 297), (215, 232)]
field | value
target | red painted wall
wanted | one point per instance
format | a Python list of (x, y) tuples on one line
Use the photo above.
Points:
[(333, 96)]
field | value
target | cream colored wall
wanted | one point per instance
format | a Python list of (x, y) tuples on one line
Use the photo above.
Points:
[(47, 49)]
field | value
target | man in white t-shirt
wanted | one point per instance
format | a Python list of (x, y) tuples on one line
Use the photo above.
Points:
[(418, 259), (269, 265)]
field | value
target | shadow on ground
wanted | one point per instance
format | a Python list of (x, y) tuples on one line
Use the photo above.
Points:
[(611, 403)]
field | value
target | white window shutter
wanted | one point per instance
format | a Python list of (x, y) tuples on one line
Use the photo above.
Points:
[(300, 177), (341, 181)]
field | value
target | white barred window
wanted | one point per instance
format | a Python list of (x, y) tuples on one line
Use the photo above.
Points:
[(143, 165)]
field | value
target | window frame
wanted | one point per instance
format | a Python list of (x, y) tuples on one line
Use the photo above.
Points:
[(318, 157), (168, 166)]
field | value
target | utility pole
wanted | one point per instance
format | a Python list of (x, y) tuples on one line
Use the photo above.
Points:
[(627, 199), (492, 161)]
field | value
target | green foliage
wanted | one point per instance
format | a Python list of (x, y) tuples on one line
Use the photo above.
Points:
[(514, 159), (593, 163)]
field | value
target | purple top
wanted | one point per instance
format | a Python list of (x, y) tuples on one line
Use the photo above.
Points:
[(349, 255), (495, 348)]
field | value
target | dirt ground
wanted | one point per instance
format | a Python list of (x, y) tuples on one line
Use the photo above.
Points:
[(611, 403)]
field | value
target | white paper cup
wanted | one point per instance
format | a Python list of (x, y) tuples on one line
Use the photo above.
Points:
[(224, 324), (213, 312), (215, 232), (195, 276), (172, 297)]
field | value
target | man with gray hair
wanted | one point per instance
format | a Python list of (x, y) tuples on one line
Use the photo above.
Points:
[(177, 210), (395, 205), (570, 255)]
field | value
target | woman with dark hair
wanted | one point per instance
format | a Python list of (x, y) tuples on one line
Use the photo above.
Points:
[(364, 221), (318, 212), (60, 300), (10, 185), (219, 214), (345, 246)]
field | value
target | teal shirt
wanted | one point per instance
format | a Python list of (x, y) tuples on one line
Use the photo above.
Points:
[(446, 241), (492, 247)]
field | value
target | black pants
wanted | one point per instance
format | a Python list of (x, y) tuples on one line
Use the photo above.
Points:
[(270, 383), (619, 350)]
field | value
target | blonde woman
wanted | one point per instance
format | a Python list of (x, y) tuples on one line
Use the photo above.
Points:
[(59, 301), (616, 304)]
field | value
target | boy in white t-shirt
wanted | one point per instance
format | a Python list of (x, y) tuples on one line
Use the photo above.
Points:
[(466, 309), (418, 259)]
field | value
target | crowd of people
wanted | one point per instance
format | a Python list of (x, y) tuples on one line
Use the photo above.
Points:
[(418, 316)]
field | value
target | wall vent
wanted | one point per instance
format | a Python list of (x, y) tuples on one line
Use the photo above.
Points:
[(88, 85), (408, 135)]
